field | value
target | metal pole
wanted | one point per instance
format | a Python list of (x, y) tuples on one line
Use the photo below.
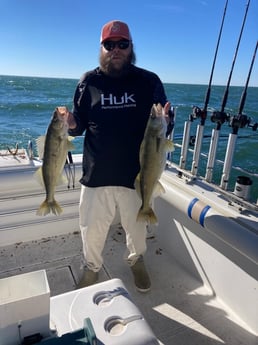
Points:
[(228, 160), (212, 155), (185, 143)]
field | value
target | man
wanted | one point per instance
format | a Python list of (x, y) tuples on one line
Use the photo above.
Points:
[(112, 103)]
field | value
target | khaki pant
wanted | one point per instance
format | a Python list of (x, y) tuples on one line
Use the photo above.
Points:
[(98, 207)]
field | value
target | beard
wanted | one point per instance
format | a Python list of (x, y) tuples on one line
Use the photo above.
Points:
[(107, 66)]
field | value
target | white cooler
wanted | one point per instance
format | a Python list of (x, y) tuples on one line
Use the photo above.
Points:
[(115, 318), (24, 307)]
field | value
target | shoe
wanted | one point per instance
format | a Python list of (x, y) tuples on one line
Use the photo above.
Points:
[(141, 277), (89, 278)]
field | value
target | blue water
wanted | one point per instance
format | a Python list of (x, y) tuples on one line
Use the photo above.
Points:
[(27, 103)]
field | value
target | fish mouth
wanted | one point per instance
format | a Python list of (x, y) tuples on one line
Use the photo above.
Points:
[(157, 111)]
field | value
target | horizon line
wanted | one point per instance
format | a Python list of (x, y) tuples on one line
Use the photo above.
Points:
[(73, 78)]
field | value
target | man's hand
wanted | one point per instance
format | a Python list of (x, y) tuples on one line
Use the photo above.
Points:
[(166, 111), (169, 116)]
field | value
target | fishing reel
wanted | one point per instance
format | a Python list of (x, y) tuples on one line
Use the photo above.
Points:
[(198, 113), (253, 126), (219, 117), (241, 121)]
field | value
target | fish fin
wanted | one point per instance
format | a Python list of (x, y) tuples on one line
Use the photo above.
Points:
[(158, 190), (147, 215), (40, 144), (47, 207), (137, 185), (39, 177), (70, 146), (169, 145)]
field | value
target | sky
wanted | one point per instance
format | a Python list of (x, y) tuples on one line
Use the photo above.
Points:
[(174, 38)]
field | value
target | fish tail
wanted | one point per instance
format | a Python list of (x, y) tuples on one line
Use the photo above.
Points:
[(49, 206), (147, 215)]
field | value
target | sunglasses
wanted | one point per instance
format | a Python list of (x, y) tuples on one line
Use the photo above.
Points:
[(110, 45)]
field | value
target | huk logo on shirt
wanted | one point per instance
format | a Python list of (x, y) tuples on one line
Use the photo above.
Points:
[(112, 101)]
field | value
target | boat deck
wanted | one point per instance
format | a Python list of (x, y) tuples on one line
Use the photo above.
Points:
[(179, 308)]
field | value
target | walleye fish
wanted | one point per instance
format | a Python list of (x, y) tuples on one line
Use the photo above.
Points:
[(53, 149), (152, 162)]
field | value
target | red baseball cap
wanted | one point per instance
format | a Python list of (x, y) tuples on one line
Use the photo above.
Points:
[(115, 29)]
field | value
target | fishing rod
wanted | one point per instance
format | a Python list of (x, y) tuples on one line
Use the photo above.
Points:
[(244, 93), (236, 122), (199, 113), (202, 113), (219, 117)]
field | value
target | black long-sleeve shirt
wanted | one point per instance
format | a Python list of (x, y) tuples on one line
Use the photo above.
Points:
[(114, 112)]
